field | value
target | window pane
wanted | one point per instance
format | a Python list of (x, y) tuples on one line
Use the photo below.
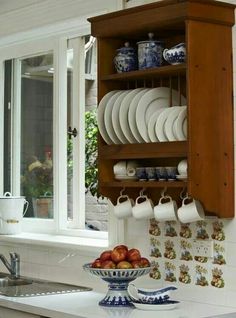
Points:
[(70, 137), (7, 125), (37, 134)]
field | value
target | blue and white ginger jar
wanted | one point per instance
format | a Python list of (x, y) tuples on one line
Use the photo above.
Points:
[(126, 59), (150, 53)]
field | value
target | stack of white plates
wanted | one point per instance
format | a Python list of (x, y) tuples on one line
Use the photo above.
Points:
[(142, 115)]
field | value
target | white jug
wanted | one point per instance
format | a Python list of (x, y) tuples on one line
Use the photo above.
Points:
[(11, 213)]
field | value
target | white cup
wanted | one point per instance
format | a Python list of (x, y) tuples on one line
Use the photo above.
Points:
[(190, 212), (182, 167), (143, 208), (165, 211), (123, 207), (120, 168)]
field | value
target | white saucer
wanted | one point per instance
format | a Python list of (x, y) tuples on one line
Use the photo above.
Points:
[(181, 177), (120, 177), (165, 306)]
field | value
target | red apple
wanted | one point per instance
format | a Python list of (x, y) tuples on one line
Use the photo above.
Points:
[(124, 265), (144, 262), (118, 254), (136, 264), (133, 255), (97, 263), (108, 264), (105, 256), (121, 246)]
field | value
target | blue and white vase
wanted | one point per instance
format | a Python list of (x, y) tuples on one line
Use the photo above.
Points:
[(126, 59), (176, 54), (150, 53)]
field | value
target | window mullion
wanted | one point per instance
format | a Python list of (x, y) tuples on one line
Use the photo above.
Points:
[(1, 126), (78, 121), (60, 135), (16, 129)]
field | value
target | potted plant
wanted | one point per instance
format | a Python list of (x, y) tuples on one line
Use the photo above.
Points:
[(37, 185)]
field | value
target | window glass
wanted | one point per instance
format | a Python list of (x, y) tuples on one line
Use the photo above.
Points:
[(37, 134)]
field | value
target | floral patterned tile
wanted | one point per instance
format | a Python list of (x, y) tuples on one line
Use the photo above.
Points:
[(185, 274), (170, 272), (156, 270), (155, 247), (170, 249), (217, 277), (218, 232), (201, 276), (185, 231), (219, 254), (154, 227), (201, 230), (186, 250)]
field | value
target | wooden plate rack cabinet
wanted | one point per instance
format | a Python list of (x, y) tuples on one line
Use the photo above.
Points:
[(205, 80)]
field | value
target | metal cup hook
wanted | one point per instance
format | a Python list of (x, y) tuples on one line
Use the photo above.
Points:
[(163, 192), (141, 193), (122, 191), (183, 194)]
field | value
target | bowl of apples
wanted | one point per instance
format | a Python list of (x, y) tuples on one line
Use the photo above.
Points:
[(118, 267)]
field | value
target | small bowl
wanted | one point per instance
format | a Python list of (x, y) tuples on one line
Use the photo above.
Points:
[(150, 296)]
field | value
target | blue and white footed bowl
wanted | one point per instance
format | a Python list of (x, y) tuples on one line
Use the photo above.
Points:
[(150, 296), (176, 54), (126, 59), (150, 53), (118, 279)]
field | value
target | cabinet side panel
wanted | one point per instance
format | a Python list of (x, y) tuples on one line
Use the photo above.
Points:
[(210, 115)]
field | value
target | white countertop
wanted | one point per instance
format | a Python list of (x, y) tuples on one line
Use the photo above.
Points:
[(85, 305)]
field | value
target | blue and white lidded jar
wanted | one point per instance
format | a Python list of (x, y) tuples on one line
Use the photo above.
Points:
[(150, 53), (126, 59)]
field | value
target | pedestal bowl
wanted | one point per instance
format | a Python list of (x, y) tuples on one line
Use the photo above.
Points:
[(118, 281)]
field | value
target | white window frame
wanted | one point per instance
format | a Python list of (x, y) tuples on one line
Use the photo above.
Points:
[(57, 226)]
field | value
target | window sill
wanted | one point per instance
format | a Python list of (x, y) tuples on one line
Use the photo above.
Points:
[(85, 245)]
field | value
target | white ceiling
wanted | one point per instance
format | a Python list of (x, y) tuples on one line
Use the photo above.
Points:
[(11, 5)]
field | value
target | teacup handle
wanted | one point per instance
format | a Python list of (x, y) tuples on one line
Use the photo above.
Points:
[(185, 199), (26, 208), (124, 196), (7, 194), (164, 54), (141, 197), (132, 291), (165, 197)]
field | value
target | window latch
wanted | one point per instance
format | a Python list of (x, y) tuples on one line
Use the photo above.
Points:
[(71, 132)]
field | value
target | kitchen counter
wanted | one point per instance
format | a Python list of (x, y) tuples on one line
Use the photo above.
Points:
[(85, 305)]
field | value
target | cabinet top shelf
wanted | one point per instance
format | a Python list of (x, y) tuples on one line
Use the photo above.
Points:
[(149, 73), (168, 15)]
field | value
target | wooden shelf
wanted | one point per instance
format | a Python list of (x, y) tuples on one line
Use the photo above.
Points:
[(144, 184), (176, 149), (147, 74)]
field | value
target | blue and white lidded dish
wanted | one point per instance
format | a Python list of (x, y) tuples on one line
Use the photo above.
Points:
[(176, 54), (150, 53), (126, 59)]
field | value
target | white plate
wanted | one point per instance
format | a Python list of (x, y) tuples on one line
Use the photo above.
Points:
[(107, 118), (120, 177), (185, 129), (123, 114), (151, 125), (166, 306), (152, 100), (181, 177), (168, 127), (100, 116), (178, 124), (115, 115), (159, 127), (132, 117)]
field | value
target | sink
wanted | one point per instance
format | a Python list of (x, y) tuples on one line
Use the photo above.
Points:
[(7, 281), (28, 287)]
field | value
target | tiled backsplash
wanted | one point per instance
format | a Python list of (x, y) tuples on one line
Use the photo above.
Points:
[(171, 251)]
